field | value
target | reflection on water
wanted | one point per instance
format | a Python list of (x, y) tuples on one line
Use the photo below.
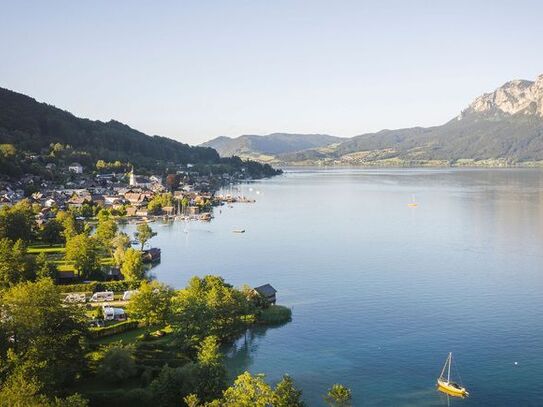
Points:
[(380, 291), (239, 355)]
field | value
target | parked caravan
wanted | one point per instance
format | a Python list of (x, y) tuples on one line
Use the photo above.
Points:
[(128, 294), (113, 314), (102, 296), (75, 297)]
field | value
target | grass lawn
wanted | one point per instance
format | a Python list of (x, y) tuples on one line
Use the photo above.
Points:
[(127, 337), (132, 336), (37, 249)]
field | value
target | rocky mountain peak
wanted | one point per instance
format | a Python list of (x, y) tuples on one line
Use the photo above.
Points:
[(514, 97)]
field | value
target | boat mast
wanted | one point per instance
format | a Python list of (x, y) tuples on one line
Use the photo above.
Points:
[(449, 372)]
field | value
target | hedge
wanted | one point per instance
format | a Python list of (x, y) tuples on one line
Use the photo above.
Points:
[(275, 314), (95, 286), (103, 331)]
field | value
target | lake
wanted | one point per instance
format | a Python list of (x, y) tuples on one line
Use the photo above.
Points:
[(382, 291)]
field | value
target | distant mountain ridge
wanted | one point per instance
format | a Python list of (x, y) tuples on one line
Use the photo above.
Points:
[(269, 145), (500, 128)]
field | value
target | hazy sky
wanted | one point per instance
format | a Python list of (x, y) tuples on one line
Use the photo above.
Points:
[(194, 70)]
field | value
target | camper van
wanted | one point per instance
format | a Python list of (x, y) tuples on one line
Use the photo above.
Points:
[(102, 296), (113, 314), (128, 294), (75, 297)]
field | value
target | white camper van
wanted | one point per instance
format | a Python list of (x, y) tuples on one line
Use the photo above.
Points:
[(128, 294), (113, 314), (102, 296), (75, 297)]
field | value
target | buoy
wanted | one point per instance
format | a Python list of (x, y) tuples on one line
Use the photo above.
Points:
[(516, 363)]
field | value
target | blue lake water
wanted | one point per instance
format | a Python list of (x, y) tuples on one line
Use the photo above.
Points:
[(380, 291)]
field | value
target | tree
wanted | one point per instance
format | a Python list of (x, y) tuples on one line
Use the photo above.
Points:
[(248, 391), (209, 306), (46, 338), (339, 396), (119, 244), (118, 364), (69, 223), (151, 303), (45, 268), (23, 392), (132, 265), (287, 395), (106, 229), (143, 234), (15, 265), (17, 222), (52, 232), (173, 384), (81, 250), (212, 373), (192, 400)]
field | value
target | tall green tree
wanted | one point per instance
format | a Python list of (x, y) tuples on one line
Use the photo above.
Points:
[(46, 339), (71, 226), (106, 229), (17, 222), (52, 232), (81, 250), (132, 265), (143, 234), (45, 268), (119, 244), (209, 306), (15, 265), (248, 391), (287, 395), (151, 303), (212, 373)]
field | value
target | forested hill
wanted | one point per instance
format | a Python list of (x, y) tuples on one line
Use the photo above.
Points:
[(32, 127)]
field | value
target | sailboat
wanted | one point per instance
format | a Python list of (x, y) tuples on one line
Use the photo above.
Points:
[(445, 383), (413, 203)]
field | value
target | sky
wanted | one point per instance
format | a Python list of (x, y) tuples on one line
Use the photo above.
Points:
[(195, 70)]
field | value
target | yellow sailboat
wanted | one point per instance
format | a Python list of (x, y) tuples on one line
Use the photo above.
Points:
[(446, 385), (413, 203)]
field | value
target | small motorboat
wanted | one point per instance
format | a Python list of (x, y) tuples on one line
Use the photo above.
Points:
[(446, 385), (238, 231)]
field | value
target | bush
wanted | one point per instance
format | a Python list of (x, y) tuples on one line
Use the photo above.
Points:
[(275, 314), (117, 365), (103, 331), (121, 398)]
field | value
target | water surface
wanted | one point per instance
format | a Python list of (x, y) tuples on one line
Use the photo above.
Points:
[(381, 291)]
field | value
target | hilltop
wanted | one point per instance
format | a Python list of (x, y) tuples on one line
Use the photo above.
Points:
[(32, 128), (266, 147), (500, 128)]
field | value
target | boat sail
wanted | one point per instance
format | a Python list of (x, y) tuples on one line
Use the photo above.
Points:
[(445, 383)]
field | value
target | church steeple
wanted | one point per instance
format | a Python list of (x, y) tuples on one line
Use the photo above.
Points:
[(132, 181)]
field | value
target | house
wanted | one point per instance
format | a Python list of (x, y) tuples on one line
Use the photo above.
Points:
[(75, 168), (267, 292)]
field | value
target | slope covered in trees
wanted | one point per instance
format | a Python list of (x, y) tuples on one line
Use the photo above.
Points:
[(33, 127)]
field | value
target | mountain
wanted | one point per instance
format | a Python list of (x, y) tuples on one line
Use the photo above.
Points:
[(32, 127), (265, 147), (504, 127)]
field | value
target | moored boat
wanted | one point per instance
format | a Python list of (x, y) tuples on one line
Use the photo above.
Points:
[(445, 384)]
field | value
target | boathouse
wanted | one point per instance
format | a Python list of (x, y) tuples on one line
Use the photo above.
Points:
[(267, 292)]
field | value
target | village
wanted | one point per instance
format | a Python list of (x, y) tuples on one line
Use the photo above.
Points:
[(93, 203)]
